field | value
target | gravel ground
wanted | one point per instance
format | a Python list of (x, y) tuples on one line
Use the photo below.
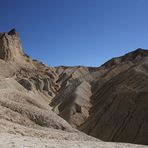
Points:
[(17, 141)]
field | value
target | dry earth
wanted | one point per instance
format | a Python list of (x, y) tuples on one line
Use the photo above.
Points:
[(43, 106)]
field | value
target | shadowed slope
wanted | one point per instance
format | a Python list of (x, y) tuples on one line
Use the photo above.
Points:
[(119, 111)]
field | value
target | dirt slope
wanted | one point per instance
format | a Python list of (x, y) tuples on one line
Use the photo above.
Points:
[(41, 104)]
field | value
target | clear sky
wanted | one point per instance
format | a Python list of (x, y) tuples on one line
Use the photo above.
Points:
[(77, 32)]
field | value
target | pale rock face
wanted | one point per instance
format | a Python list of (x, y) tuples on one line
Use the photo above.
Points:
[(10, 46)]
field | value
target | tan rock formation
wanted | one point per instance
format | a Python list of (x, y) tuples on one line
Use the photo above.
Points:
[(107, 102)]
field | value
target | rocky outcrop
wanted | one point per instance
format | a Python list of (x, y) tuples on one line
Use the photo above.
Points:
[(108, 102), (10, 46), (27, 88)]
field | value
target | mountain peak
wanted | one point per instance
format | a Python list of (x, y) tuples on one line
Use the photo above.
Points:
[(138, 51), (13, 32), (10, 45), (133, 56)]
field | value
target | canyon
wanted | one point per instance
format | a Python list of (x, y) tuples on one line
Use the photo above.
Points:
[(77, 106)]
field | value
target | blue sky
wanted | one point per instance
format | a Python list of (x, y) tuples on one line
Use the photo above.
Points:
[(77, 32)]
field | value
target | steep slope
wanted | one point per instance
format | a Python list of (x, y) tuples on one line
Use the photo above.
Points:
[(119, 106), (34, 97), (72, 101), (26, 89), (87, 93), (77, 84), (16, 99)]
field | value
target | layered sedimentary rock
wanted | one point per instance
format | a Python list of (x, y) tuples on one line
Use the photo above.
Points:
[(108, 102), (119, 105), (10, 46), (26, 89)]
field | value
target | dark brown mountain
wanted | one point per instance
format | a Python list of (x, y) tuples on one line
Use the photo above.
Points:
[(119, 106)]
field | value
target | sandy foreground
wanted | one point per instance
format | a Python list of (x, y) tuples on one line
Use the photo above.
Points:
[(17, 141)]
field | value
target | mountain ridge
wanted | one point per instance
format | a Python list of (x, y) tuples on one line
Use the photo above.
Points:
[(65, 99)]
